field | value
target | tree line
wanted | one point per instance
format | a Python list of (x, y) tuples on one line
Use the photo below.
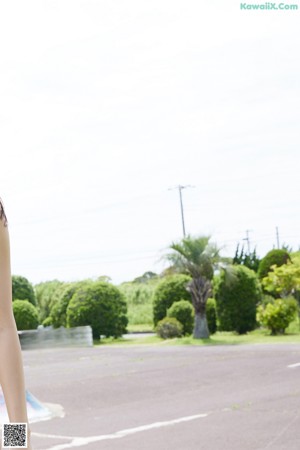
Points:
[(199, 293)]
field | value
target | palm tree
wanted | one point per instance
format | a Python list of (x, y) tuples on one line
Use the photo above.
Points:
[(196, 257)]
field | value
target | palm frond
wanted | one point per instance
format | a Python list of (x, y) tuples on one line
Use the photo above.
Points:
[(196, 256)]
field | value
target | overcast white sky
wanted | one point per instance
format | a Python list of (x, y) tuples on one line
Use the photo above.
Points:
[(105, 105)]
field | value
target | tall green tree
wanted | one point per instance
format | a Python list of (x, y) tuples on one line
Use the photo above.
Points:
[(243, 258), (196, 256), (46, 295)]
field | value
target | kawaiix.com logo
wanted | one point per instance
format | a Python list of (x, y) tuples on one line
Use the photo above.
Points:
[(268, 6)]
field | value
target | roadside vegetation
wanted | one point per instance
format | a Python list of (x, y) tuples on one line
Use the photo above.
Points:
[(201, 298)]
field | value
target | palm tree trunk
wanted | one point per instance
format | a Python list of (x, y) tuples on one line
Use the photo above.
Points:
[(201, 328), (200, 289)]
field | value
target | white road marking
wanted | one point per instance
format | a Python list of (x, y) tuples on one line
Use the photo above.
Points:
[(291, 366), (79, 441), (54, 436)]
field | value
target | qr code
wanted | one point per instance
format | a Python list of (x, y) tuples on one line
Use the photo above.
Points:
[(14, 435)]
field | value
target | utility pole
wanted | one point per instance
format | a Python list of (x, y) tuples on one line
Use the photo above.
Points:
[(277, 236), (247, 238), (179, 187)]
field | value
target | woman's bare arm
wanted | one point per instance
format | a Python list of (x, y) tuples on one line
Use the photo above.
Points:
[(6, 316), (11, 363)]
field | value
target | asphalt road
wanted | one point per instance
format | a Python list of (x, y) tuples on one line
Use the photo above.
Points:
[(165, 397)]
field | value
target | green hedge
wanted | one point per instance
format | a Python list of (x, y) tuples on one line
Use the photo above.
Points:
[(171, 289), (237, 298)]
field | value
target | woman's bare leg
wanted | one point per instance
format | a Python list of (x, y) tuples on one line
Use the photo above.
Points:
[(11, 364)]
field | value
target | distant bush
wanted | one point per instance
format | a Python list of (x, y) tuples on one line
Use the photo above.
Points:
[(100, 305), (46, 296), (169, 327), (276, 256), (171, 289), (146, 277), (277, 315), (25, 314), (211, 315), (63, 295), (183, 311), (236, 300), (22, 289)]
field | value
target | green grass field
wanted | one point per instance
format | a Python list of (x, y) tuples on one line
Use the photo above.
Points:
[(139, 299)]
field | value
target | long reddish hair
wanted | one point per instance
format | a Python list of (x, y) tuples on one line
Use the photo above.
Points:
[(2, 213)]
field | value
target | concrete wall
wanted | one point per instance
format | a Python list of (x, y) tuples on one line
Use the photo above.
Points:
[(49, 337)]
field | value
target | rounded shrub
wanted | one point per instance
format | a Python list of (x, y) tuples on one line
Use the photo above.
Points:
[(171, 289), (277, 315), (58, 313), (211, 315), (276, 256), (100, 305), (25, 314), (183, 311), (169, 327), (236, 299), (22, 289)]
